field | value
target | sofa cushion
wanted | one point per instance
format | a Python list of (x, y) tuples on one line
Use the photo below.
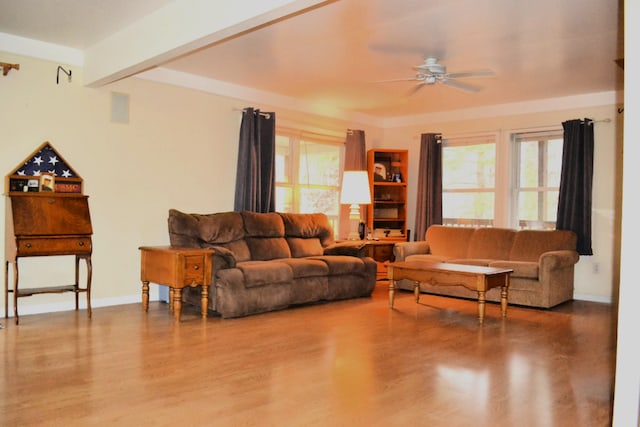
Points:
[(451, 242), (302, 247), (472, 261), (260, 273), (428, 258), (528, 245), (491, 243), (342, 264), (265, 236), (223, 229), (266, 248), (305, 267), (523, 269), (313, 225)]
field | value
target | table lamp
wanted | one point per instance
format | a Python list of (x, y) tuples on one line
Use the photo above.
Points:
[(355, 191)]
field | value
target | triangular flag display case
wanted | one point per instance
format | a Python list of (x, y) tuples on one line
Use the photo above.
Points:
[(47, 214), (45, 161)]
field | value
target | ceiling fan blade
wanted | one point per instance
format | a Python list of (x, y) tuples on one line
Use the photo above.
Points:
[(476, 73), (459, 85), (416, 88), (408, 79)]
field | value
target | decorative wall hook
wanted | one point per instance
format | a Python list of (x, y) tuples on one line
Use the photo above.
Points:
[(7, 67), (68, 73)]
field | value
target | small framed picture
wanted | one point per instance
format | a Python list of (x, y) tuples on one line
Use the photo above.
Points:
[(46, 183), (379, 172)]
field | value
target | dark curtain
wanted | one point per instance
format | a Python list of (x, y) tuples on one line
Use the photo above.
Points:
[(576, 182), (429, 201), (255, 176), (355, 159)]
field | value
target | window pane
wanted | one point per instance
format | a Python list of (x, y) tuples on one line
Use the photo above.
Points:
[(554, 162), (314, 200), (529, 164), (551, 206), (283, 159), (284, 199), (468, 166), (468, 205), (319, 164)]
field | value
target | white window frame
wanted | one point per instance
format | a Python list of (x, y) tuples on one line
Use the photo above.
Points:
[(295, 136), (474, 139), (514, 137)]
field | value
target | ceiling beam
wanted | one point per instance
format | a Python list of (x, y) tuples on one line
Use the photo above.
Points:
[(178, 28)]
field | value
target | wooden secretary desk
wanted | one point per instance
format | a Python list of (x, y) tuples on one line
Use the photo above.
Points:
[(46, 217)]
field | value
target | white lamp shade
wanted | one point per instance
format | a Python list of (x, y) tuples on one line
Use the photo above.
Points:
[(355, 188)]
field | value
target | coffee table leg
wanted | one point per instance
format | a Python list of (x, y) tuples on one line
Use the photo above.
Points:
[(481, 305), (392, 289), (416, 291), (504, 295)]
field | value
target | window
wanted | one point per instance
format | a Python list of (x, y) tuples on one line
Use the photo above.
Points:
[(308, 174), (537, 178), (469, 180)]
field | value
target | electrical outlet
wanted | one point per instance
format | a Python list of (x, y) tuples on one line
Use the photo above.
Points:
[(596, 267)]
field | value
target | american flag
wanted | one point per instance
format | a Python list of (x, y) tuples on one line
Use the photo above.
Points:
[(46, 161)]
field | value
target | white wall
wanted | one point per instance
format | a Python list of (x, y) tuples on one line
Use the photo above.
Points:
[(597, 276)]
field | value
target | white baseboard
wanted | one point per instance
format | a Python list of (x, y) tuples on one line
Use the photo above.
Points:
[(24, 309), (592, 298)]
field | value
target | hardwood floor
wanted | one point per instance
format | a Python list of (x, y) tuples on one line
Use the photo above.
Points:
[(346, 363)]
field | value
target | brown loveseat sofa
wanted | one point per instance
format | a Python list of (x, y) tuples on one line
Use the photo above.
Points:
[(270, 261), (542, 261)]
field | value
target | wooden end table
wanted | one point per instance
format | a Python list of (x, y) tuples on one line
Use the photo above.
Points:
[(176, 267), (380, 250), (475, 278)]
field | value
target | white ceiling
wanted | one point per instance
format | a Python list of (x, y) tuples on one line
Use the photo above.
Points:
[(331, 55)]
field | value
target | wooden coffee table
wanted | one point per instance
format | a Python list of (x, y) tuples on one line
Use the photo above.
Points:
[(475, 278)]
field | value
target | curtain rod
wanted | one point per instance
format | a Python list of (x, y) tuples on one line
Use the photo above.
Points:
[(266, 115)]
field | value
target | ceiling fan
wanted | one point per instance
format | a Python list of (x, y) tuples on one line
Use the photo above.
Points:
[(431, 72)]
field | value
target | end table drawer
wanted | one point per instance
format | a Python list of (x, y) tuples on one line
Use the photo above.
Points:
[(382, 252), (194, 269)]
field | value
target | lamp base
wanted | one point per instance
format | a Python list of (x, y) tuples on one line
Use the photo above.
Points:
[(354, 222)]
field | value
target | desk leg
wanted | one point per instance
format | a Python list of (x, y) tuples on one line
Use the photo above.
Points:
[(87, 260), (481, 305), (177, 303), (204, 300), (6, 289), (15, 290), (145, 296)]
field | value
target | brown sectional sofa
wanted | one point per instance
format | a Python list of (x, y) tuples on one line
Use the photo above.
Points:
[(271, 261), (542, 261)]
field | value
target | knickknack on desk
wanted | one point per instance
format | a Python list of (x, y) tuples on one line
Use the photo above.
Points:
[(47, 214)]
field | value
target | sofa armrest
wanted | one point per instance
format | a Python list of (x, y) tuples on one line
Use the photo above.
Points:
[(402, 250), (558, 259), (351, 248), (222, 257)]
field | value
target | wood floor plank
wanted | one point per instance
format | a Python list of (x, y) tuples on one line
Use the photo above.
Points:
[(345, 363)]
